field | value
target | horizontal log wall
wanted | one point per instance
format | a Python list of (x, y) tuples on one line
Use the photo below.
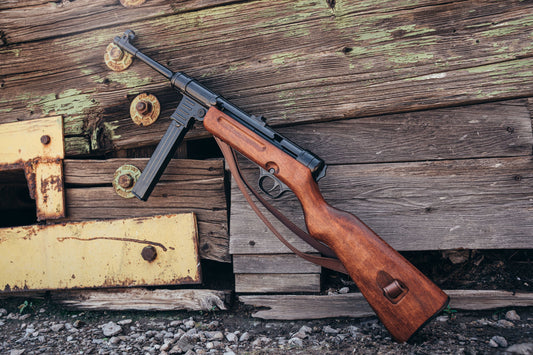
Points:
[(457, 177), (304, 60)]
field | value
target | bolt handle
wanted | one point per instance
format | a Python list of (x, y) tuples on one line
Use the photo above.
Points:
[(182, 120)]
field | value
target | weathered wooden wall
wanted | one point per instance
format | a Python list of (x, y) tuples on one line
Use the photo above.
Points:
[(430, 139), (292, 61)]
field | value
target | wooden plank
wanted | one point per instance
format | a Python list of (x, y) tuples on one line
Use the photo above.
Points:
[(496, 129), (186, 186), (292, 307), (52, 19), (143, 300), (471, 203), (100, 254), (282, 283), (389, 59), (273, 264)]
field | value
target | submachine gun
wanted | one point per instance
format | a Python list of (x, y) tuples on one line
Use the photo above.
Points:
[(403, 298)]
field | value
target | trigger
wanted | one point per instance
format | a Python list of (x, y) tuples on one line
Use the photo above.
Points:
[(270, 184)]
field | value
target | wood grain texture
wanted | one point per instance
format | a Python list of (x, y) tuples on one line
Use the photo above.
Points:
[(497, 129), (273, 264), (305, 61), (292, 307), (142, 300), (186, 186), (472, 203), (279, 283)]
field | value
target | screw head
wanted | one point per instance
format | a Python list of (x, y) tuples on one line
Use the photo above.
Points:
[(125, 181), (149, 253), (45, 139), (143, 107)]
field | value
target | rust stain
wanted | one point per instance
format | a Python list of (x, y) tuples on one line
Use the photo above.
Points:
[(61, 239)]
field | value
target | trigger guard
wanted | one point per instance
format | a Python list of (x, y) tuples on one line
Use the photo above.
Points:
[(276, 186)]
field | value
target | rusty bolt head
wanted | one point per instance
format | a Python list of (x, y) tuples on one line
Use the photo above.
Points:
[(116, 54), (143, 107), (125, 181), (149, 253), (45, 139)]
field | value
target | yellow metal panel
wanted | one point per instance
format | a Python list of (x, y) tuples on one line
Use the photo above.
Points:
[(36, 146), (22, 140), (100, 254)]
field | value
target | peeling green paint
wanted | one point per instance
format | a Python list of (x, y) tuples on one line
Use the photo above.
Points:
[(15, 51), (6, 110), (75, 146), (68, 102), (281, 58), (129, 78), (410, 58), (110, 128)]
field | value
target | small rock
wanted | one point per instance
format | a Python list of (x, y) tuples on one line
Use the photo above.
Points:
[(305, 329), (175, 350), (512, 315), (124, 322), (213, 325), (189, 324), (57, 327), (259, 342), (344, 290), (175, 323), (114, 340), (244, 337), (216, 335), (3, 312), (110, 329), (442, 318), (165, 346), (300, 335), (329, 330), (524, 348), (504, 323), (499, 340), (229, 352), (12, 316), (185, 343), (78, 323), (296, 343), (17, 352), (70, 338), (190, 352), (25, 316), (232, 337)]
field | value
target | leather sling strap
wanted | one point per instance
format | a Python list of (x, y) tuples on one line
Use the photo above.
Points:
[(327, 262)]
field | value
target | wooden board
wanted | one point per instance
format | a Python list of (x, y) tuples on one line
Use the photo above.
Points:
[(278, 283), (100, 254), (291, 307), (305, 61), (496, 129), (273, 264), (143, 299), (186, 186), (470, 203)]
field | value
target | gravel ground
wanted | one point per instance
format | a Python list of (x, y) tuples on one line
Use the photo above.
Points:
[(44, 328)]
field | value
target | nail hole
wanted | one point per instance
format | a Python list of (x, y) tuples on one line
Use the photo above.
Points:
[(347, 50)]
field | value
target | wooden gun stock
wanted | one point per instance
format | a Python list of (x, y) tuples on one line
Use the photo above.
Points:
[(403, 298)]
